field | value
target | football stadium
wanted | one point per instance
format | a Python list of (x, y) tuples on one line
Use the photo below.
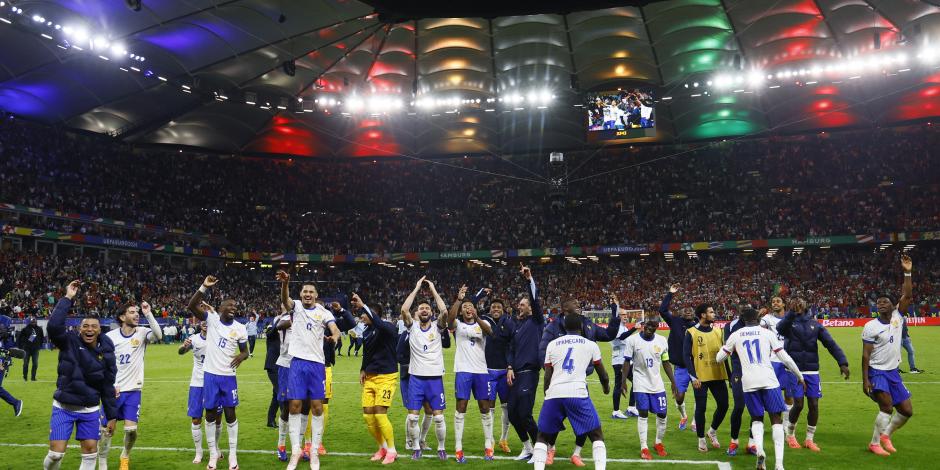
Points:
[(245, 234)]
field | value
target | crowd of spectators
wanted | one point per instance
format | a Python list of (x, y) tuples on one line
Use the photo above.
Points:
[(878, 180), (838, 282)]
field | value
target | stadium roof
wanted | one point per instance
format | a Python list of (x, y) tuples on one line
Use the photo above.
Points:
[(204, 59)]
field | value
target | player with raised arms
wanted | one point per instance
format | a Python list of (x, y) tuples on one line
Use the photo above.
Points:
[(85, 384), (306, 386), (881, 356), (130, 344), (643, 358), (470, 372), (678, 324), (754, 346), (378, 376), (198, 344), (426, 367), (227, 348), (566, 394)]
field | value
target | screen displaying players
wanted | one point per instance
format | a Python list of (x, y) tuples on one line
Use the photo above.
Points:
[(626, 113)]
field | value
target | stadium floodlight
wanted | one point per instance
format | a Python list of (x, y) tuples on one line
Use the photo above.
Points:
[(354, 103), (755, 78), (118, 50), (39, 19), (723, 81), (545, 96)]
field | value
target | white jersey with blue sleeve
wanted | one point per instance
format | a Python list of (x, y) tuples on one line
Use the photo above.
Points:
[(770, 322), (199, 344), (647, 357), (755, 346), (222, 344), (570, 357), (617, 346), (307, 327), (886, 339)]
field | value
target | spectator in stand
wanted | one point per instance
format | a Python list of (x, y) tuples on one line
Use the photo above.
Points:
[(252, 328)]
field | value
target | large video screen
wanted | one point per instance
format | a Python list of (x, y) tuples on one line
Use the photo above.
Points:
[(627, 113)]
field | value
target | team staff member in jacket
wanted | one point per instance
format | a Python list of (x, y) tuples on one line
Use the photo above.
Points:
[(378, 377), (802, 333), (272, 342), (522, 375), (678, 324), (85, 384), (31, 339)]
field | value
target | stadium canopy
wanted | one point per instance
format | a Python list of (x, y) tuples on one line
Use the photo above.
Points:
[(330, 78)]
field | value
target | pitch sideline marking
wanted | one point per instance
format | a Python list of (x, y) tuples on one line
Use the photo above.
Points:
[(721, 465)]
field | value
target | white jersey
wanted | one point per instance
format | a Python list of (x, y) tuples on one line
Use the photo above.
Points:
[(886, 339), (427, 354), (770, 321), (401, 327), (471, 348), (307, 327), (647, 357), (129, 357), (570, 357), (199, 357), (284, 357), (222, 344), (617, 345), (755, 346)]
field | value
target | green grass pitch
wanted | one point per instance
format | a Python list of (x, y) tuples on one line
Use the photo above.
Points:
[(165, 441)]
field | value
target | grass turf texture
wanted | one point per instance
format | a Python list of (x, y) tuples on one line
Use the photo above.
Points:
[(845, 427)]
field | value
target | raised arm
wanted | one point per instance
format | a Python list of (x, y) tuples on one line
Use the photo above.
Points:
[(485, 326), (196, 305), (907, 289), (613, 324), (537, 315), (455, 308), (284, 279), (56, 325), (442, 313), (664, 306), (409, 301), (156, 333), (186, 346)]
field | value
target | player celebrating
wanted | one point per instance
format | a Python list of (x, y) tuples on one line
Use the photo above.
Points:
[(306, 385), (677, 328), (198, 345), (803, 333), (378, 376), (566, 394), (470, 370), (881, 356), (770, 320), (702, 343), (85, 384), (497, 363), (754, 346), (227, 347), (617, 359), (426, 368), (737, 391), (643, 357), (522, 375), (283, 377), (130, 344)]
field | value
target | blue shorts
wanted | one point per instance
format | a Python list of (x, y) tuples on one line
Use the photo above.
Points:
[(62, 421), (219, 390), (464, 382), (652, 402), (813, 387), (889, 381), (283, 378), (765, 399), (307, 380), (499, 387), (194, 409), (682, 378), (579, 411), (784, 377), (425, 389), (403, 379), (128, 406)]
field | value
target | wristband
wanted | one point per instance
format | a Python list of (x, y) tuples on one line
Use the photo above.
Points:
[(202, 289), (907, 274)]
